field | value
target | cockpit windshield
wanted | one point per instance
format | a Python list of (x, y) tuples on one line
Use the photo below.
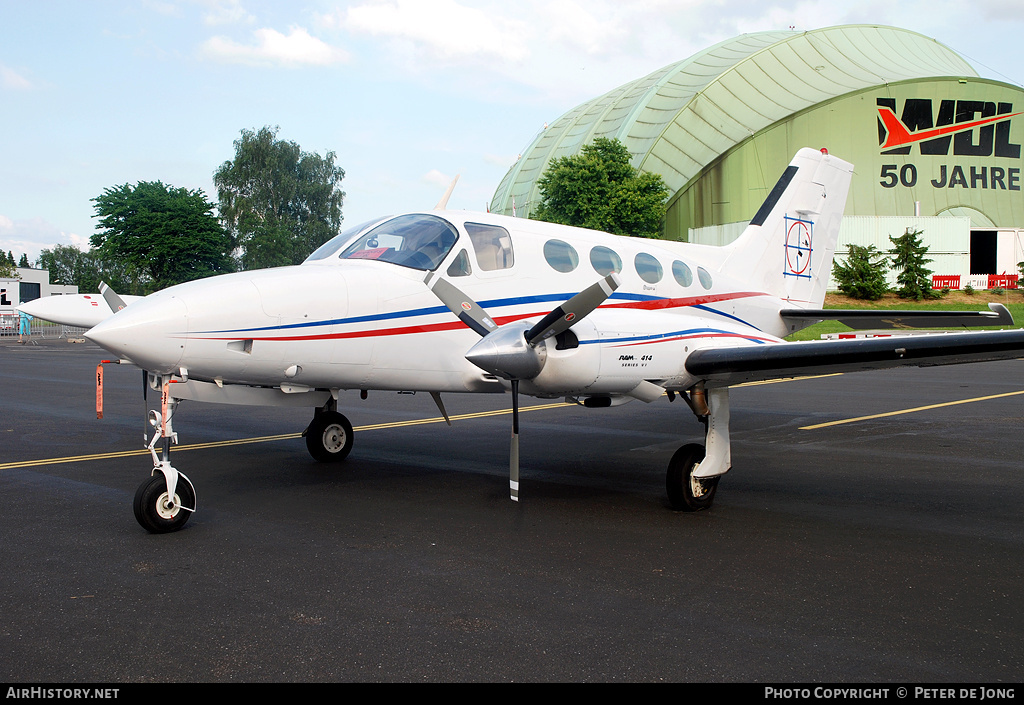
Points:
[(338, 241), (418, 241)]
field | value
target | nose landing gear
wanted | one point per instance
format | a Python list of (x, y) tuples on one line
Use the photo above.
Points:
[(165, 501)]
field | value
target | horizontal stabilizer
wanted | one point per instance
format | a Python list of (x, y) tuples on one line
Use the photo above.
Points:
[(736, 365), (864, 319)]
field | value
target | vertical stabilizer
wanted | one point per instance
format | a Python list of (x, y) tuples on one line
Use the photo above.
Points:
[(788, 247)]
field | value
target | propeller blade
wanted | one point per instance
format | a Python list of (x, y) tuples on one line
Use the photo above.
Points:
[(513, 454), (468, 311), (443, 203), (582, 304), (115, 302)]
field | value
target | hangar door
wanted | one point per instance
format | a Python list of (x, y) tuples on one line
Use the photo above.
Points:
[(983, 252)]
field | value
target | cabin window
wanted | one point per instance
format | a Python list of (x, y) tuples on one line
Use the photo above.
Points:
[(493, 246), (705, 277), (561, 256), (416, 241), (648, 268), (605, 261), (682, 273)]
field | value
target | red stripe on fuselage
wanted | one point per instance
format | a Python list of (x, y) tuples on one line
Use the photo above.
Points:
[(655, 304), (651, 305)]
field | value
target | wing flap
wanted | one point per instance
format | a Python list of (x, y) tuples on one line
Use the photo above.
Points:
[(736, 365)]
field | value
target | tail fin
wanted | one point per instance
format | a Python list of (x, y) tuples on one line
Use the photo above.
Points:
[(788, 247)]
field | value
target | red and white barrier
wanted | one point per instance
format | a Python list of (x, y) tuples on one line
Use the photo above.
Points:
[(976, 281)]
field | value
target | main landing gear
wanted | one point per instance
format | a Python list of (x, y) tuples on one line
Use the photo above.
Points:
[(329, 435), (694, 471)]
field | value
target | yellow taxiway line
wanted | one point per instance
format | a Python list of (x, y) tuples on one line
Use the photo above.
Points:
[(908, 411), (265, 439), (463, 417)]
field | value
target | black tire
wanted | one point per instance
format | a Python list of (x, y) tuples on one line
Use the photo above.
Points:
[(684, 492), (151, 509), (329, 437)]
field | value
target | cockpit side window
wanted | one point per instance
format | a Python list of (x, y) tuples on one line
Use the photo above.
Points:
[(418, 241), (493, 246), (460, 266)]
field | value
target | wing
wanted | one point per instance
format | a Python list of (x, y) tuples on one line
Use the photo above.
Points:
[(858, 319), (735, 365)]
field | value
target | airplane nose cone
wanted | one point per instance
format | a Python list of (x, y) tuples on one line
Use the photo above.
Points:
[(151, 332)]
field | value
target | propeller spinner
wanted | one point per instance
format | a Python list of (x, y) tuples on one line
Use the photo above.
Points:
[(514, 351)]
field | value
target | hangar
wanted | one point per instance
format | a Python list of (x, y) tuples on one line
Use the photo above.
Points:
[(935, 146)]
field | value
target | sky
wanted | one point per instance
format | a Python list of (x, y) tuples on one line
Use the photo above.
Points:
[(406, 93)]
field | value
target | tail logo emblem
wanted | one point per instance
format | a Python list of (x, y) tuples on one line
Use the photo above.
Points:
[(799, 238)]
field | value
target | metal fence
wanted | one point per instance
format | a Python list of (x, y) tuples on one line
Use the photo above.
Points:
[(9, 326)]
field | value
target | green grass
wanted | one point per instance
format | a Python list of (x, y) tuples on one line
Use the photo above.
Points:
[(1012, 302)]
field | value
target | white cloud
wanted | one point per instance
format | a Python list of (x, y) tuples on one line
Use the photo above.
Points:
[(503, 161), (222, 12), (296, 48), (9, 78), (554, 49), (569, 23), (436, 178), (30, 236), (442, 29)]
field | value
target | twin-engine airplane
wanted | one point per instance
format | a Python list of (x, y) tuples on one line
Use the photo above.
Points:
[(376, 307)]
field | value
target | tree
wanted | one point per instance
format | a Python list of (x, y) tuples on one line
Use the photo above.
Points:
[(23, 262), (278, 202), (64, 263), (599, 189), (7, 269), (160, 235), (914, 279), (70, 265), (862, 276)]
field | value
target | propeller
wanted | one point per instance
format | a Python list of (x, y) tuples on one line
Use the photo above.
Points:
[(115, 302), (514, 351)]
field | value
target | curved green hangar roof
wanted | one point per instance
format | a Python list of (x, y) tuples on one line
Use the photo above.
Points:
[(721, 125)]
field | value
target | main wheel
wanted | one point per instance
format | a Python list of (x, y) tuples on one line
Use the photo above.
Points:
[(686, 492), (329, 437), (155, 512)]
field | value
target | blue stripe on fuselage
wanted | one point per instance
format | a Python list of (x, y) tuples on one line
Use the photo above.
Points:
[(432, 310)]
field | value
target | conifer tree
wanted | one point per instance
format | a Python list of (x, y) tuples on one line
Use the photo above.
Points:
[(914, 278), (862, 276)]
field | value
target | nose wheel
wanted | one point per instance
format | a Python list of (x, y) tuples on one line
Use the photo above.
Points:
[(157, 511)]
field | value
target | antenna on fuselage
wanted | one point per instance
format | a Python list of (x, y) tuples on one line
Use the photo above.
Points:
[(443, 203)]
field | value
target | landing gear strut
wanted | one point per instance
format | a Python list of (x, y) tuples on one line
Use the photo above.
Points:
[(694, 471), (329, 435), (165, 501)]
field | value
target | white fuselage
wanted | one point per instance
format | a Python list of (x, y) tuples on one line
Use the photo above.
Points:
[(360, 323)]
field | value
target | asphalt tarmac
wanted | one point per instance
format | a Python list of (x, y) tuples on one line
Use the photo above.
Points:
[(880, 550)]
